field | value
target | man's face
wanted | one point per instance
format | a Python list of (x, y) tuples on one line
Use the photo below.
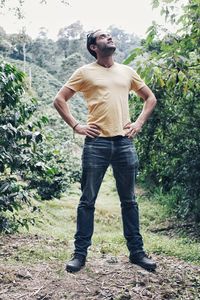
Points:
[(104, 42)]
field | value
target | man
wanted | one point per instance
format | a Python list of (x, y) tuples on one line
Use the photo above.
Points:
[(105, 85)]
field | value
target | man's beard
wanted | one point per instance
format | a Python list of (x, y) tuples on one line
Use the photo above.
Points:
[(106, 51)]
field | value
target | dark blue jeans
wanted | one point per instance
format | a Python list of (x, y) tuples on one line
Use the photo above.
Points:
[(98, 154)]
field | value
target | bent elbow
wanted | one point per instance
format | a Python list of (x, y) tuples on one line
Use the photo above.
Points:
[(56, 102)]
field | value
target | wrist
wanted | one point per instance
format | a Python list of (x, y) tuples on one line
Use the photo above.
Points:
[(140, 122), (74, 127)]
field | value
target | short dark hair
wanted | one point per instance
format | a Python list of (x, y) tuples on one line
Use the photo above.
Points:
[(91, 40)]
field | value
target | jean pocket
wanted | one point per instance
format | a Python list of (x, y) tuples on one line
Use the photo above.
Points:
[(126, 141), (90, 141)]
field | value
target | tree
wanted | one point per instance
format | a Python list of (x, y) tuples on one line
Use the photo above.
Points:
[(170, 147), (19, 42), (43, 52), (5, 45), (67, 36), (31, 164), (17, 144), (69, 64)]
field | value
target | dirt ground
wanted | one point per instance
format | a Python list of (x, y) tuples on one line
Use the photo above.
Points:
[(103, 277)]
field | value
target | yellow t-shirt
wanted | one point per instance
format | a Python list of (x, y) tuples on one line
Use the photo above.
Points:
[(106, 91)]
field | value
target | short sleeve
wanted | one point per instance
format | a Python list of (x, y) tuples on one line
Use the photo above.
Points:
[(136, 82), (75, 82)]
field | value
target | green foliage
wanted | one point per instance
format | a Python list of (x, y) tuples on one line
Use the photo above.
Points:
[(61, 57), (17, 143), (69, 64), (169, 146), (52, 172), (58, 144), (30, 164)]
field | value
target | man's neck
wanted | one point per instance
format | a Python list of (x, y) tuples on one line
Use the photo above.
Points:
[(105, 62)]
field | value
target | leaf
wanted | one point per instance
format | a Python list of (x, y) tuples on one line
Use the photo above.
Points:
[(132, 56), (4, 187), (45, 120), (161, 81)]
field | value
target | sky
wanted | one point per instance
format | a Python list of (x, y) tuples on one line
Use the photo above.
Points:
[(132, 16)]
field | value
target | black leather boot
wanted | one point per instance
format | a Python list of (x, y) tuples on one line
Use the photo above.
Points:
[(142, 260), (76, 263)]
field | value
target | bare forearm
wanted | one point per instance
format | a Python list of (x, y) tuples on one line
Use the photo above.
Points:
[(148, 107), (61, 105), (63, 109)]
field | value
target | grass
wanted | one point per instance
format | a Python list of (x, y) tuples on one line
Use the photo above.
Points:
[(57, 224)]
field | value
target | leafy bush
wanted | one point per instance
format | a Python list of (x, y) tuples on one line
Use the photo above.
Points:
[(16, 143), (53, 172), (30, 165), (169, 145)]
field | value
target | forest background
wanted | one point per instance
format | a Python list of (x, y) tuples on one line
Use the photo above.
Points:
[(40, 166), (38, 152)]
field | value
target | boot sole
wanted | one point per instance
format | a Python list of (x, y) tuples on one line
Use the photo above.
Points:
[(150, 269), (73, 270)]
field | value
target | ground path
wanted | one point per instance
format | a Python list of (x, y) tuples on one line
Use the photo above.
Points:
[(104, 277), (32, 265)]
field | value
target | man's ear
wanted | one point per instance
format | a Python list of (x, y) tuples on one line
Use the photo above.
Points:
[(93, 47)]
